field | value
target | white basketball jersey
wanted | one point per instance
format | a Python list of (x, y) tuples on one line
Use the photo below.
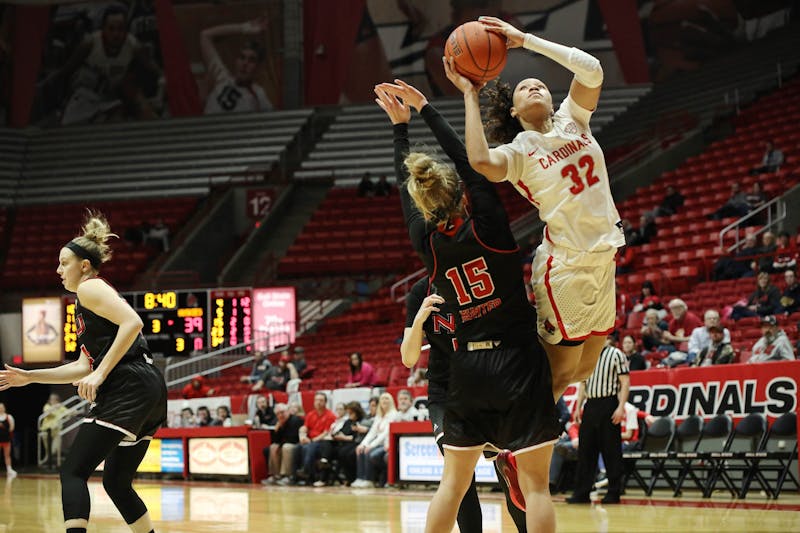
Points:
[(563, 173), (107, 70), (228, 97)]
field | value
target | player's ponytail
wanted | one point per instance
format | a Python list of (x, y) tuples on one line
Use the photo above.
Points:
[(96, 231), (433, 186)]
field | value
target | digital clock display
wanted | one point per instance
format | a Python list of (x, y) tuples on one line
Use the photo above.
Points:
[(174, 321)]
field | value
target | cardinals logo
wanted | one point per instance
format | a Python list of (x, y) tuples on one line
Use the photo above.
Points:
[(549, 327), (571, 128)]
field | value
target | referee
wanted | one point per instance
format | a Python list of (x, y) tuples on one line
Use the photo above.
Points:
[(605, 392)]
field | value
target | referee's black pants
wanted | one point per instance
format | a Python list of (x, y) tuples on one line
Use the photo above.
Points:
[(598, 434)]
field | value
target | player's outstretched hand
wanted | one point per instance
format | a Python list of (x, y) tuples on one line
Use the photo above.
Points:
[(256, 26), (13, 377), (514, 37), (397, 110), (408, 93), (462, 83)]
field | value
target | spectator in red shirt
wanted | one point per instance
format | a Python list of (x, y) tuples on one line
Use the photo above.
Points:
[(682, 323), (197, 388), (315, 429), (361, 374)]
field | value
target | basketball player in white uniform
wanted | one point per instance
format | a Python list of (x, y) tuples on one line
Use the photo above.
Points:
[(554, 161), (234, 92), (101, 65)]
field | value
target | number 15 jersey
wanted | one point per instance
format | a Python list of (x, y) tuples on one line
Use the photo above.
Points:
[(563, 173)]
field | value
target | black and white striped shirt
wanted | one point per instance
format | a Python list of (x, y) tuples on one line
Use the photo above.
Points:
[(604, 380)]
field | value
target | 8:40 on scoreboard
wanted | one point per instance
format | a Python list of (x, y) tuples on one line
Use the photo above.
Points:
[(174, 321)]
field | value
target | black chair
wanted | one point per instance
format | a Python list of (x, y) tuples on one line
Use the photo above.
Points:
[(777, 455), (696, 464), (747, 437), (687, 437), (655, 448)]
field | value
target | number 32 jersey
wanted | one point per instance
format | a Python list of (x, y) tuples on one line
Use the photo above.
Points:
[(563, 173)]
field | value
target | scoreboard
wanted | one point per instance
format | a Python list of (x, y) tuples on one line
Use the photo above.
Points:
[(183, 322)]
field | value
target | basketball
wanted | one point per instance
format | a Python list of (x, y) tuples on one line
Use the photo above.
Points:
[(478, 54)]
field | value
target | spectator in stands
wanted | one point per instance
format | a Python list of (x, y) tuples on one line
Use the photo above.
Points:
[(653, 332), (755, 199), (626, 256), (769, 246), (765, 300), (771, 160), (701, 337), (774, 345), (718, 352), (99, 74), (361, 374), (648, 299), (344, 445), (790, 300), (197, 388), (203, 416), (383, 188), (314, 430), (299, 360), (237, 91), (159, 235), (735, 206), (645, 232), (785, 255), (285, 437), (372, 411), (635, 359), (672, 201), (738, 266), (6, 434), (682, 323), (276, 377), (54, 412), (223, 417), (366, 187), (417, 378), (296, 409), (370, 454), (406, 412), (340, 431), (264, 416), (187, 418), (260, 365)]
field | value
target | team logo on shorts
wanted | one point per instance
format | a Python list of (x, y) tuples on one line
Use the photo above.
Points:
[(549, 327), (571, 128)]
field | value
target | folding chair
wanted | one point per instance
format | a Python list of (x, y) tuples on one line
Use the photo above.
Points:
[(778, 454), (695, 464), (687, 435), (655, 447), (747, 437)]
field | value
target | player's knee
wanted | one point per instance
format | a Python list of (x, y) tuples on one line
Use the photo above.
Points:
[(116, 488)]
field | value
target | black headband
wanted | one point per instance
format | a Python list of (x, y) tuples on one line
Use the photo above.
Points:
[(83, 253)]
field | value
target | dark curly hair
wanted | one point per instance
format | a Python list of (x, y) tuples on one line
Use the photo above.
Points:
[(500, 126)]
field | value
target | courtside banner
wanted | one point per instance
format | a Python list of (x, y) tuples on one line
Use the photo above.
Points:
[(768, 388), (420, 460)]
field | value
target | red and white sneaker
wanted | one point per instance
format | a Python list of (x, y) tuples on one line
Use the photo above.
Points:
[(507, 466)]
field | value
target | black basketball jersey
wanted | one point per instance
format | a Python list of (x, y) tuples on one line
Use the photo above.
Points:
[(96, 334), (439, 329), (5, 430), (475, 263), (485, 285)]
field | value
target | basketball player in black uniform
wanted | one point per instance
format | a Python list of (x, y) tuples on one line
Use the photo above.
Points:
[(115, 372), (427, 312), (499, 395)]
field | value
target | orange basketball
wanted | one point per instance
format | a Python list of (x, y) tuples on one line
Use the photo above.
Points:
[(478, 54)]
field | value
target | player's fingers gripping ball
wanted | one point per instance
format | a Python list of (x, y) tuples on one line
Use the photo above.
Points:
[(478, 54)]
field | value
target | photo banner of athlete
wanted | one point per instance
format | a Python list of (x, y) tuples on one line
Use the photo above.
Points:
[(42, 330), (234, 53), (101, 63)]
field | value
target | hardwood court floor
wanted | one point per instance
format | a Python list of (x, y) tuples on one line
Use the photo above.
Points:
[(32, 505)]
